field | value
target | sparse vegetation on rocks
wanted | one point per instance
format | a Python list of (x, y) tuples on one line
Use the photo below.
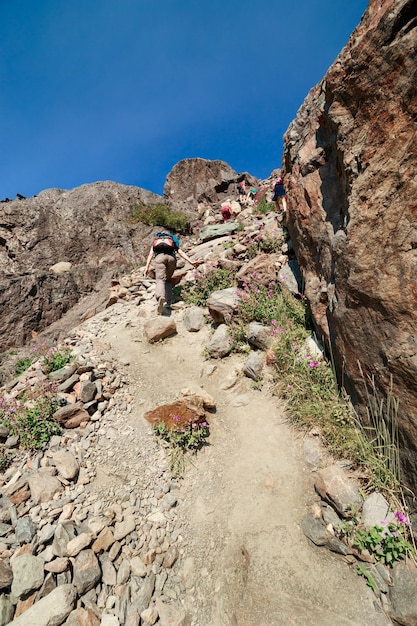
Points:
[(163, 216)]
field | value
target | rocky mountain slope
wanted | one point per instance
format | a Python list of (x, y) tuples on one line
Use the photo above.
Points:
[(95, 531), (350, 173), (57, 247)]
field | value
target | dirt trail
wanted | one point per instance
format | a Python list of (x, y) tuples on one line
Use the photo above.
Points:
[(245, 560)]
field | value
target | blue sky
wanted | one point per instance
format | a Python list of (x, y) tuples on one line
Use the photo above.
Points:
[(124, 89)]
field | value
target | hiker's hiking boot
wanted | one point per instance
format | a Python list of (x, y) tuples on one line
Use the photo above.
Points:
[(161, 302)]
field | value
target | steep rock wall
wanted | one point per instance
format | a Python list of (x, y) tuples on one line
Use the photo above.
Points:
[(87, 227), (350, 165)]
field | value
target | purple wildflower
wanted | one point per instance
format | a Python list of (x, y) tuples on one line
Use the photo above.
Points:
[(401, 518)]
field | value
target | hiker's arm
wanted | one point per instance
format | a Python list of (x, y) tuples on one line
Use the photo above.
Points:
[(187, 258), (148, 261)]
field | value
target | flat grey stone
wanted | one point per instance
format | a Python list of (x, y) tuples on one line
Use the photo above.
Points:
[(220, 344), (87, 571), (25, 530), (254, 365), (376, 511), (52, 610), (28, 574), (403, 594)]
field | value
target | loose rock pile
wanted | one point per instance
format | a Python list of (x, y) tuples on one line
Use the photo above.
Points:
[(114, 551)]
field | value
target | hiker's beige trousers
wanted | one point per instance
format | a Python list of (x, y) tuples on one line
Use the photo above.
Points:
[(165, 265)]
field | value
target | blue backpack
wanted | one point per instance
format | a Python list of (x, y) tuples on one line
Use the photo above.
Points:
[(166, 242)]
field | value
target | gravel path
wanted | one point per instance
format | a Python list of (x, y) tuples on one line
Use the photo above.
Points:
[(242, 557)]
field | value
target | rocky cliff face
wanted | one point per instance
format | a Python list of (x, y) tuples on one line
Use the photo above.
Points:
[(350, 173), (55, 247)]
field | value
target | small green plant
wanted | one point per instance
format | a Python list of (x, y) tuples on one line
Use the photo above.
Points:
[(207, 281), (31, 420), (180, 440), (161, 215), (387, 543), (5, 461), (362, 570), (261, 205), (53, 357), (22, 365), (257, 384)]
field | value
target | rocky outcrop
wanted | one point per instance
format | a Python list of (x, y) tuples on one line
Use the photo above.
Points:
[(55, 247), (350, 175), (193, 181)]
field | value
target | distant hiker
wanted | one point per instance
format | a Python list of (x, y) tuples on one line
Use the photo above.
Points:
[(226, 212), (279, 193), (164, 249), (251, 196), (241, 190)]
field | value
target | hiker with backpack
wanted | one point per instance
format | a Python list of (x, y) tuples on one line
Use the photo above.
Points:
[(163, 251), (279, 194)]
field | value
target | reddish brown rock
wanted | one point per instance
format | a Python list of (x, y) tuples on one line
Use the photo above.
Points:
[(20, 495), (175, 415), (103, 541), (82, 617), (24, 605), (71, 415), (350, 176)]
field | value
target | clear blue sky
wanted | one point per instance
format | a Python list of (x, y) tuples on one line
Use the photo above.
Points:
[(124, 89)]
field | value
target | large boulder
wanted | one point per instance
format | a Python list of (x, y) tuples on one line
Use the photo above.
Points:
[(350, 175), (193, 181)]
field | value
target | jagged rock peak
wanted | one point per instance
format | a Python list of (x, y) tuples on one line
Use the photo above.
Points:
[(200, 180)]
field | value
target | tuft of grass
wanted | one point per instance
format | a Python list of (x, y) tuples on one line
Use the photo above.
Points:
[(380, 435), (161, 215), (182, 440)]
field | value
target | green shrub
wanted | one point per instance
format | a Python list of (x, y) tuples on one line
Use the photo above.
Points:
[(206, 282), (5, 461), (262, 242), (33, 420), (22, 365), (162, 216), (262, 206), (53, 357), (268, 305)]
